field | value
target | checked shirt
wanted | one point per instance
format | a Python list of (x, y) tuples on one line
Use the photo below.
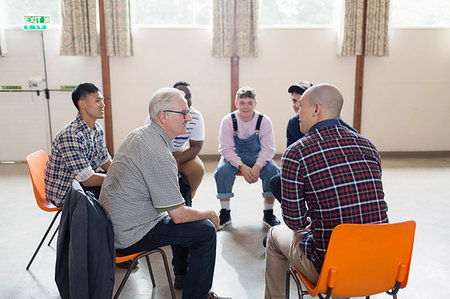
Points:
[(77, 151), (332, 175)]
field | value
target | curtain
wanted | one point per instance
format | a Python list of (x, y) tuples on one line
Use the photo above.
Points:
[(79, 28), (118, 28), (2, 43), (235, 36), (3, 48), (377, 40)]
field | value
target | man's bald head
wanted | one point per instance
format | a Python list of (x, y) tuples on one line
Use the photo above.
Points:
[(329, 97), (318, 103)]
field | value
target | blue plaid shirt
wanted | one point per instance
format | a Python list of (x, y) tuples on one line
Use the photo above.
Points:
[(332, 175), (77, 151)]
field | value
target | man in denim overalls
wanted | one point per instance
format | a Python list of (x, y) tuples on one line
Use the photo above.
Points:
[(246, 145)]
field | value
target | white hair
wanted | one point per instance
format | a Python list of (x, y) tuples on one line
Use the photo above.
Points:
[(164, 99)]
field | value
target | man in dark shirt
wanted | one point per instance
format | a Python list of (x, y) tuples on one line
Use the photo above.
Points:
[(330, 176)]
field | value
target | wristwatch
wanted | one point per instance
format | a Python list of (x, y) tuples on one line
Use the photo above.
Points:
[(240, 165)]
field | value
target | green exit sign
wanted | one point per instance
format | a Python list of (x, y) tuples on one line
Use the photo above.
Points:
[(35, 22), (11, 87), (68, 87)]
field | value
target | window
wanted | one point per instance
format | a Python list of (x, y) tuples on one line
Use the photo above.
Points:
[(15, 10), (419, 13), (298, 12), (171, 12)]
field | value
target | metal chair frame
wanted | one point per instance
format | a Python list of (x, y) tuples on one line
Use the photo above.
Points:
[(43, 238), (357, 254), (134, 259), (36, 164)]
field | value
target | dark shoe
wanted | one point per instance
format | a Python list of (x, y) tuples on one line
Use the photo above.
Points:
[(179, 282), (269, 219), (265, 241), (224, 217), (212, 295)]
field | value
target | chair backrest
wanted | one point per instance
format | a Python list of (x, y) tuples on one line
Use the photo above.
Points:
[(36, 164), (367, 259)]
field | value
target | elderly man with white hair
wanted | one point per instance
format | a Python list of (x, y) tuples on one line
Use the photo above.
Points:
[(142, 195)]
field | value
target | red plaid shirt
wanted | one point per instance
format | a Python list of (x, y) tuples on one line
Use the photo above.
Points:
[(332, 175)]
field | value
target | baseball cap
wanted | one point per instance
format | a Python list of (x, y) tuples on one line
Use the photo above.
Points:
[(300, 87)]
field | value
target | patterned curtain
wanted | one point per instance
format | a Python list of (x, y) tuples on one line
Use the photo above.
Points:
[(118, 28), (377, 19), (235, 39), (79, 28), (2, 42)]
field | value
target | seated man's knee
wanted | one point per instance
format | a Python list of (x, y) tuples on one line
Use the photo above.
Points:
[(207, 230), (221, 172), (199, 170), (275, 186), (270, 239), (275, 181)]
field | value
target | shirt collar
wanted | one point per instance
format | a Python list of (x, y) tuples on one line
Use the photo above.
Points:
[(325, 123), (82, 125), (163, 134)]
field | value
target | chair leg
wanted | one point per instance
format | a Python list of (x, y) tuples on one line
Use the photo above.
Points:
[(169, 277), (300, 292), (124, 280), (150, 270), (288, 283), (53, 236), (43, 238), (134, 261)]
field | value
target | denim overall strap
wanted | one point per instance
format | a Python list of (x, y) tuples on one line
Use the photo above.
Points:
[(249, 148), (235, 126), (258, 124)]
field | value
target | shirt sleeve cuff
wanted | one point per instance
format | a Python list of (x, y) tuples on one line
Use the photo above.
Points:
[(167, 209), (106, 160), (85, 174)]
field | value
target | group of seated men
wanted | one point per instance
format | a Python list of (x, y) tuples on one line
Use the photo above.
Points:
[(329, 175)]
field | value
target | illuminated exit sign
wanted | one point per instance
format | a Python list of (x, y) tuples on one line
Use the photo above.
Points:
[(35, 22)]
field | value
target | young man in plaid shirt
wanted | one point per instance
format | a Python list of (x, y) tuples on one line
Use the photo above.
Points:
[(330, 176), (79, 148)]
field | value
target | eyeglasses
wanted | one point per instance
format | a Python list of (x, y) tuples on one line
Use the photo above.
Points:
[(184, 112)]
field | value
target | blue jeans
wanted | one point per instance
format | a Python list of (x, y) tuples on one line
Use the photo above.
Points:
[(225, 175), (199, 238)]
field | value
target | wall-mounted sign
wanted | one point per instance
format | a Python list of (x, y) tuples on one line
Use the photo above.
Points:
[(35, 22)]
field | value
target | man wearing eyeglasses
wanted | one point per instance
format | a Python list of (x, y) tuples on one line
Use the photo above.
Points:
[(142, 195), (187, 158)]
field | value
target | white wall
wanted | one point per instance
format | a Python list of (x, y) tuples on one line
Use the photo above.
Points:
[(405, 103), (24, 125)]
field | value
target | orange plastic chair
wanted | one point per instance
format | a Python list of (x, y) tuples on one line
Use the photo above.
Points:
[(362, 260), (36, 164), (120, 258)]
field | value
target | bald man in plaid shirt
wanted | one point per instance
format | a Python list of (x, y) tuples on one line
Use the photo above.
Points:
[(330, 176)]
